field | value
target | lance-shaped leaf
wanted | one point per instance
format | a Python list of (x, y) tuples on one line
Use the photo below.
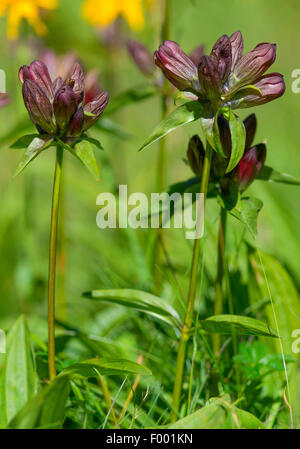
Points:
[(18, 381), (211, 131), (23, 142), (271, 175), (130, 96), (247, 210), (46, 409), (138, 300), (240, 325), (238, 139), (106, 366), (186, 113), (83, 150), (219, 413), (33, 150)]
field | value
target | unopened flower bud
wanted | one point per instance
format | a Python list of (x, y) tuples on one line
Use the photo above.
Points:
[(221, 52), (237, 47), (250, 124), (195, 155), (38, 106), (94, 109), (38, 72), (64, 106), (142, 57), (209, 77), (250, 165), (177, 67), (271, 86), (76, 124), (254, 64), (197, 54), (77, 76)]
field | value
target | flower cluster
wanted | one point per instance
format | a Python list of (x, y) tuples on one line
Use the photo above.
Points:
[(226, 77), (58, 108), (247, 169)]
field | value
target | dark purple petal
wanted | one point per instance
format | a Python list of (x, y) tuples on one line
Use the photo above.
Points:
[(250, 165), (38, 106), (197, 54), (225, 136), (64, 106), (177, 67), (272, 86), (237, 47), (250, 124), (77, 76), (210, 78), (92, 86), (195, 155), (253, 65), (141, 57), (221, 52), (95, 108), (57, 84), (76, 124), (38, 72)]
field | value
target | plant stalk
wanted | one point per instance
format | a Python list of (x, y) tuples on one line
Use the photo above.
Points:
[(52, 261), (218, 305), (188, 322)]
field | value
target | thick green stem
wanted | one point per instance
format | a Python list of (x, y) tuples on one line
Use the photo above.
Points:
[(52, 261), (188, 322), (218, 306)]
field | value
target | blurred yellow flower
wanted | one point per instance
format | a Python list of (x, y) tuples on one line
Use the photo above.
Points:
[(17, 10), (105, 12)]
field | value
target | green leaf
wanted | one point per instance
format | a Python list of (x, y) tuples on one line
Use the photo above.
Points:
[(18, 376), (106, 366), (138, 300), (271, 175), (219, 413), (130, 96), (238, 139), (241, 325), (246, 211), (184, 114), (108, 126), (47, 409), (33, 150), (211, 132), (93, 141), (24, 141), (83, 150)]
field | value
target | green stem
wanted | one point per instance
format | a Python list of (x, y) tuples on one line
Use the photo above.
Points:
[(185, 332), (52, 261), (218, 305)]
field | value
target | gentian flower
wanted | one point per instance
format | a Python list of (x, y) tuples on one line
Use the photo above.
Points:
[(58, 107), (248, 167), (225, 77)]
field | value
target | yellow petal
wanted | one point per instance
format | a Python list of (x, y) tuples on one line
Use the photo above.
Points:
[(101, 12), (133, 13)]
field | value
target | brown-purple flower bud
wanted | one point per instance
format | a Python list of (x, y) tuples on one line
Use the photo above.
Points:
[(177, 67), (57, 84), (76, 124), (272, 86), (237, 47), (141, 57), (250, 124), (64, 106), (253, 65), (92, 86), (77, 75), (195, 155), (221, 53), (94, 109), (38, 72), (210, 78), (38, 106), (250, 165), (197, 54)]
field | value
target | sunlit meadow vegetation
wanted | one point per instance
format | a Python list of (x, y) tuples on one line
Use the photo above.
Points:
[(123, 356)]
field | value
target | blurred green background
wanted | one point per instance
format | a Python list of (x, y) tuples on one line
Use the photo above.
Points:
[(104, 258)]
